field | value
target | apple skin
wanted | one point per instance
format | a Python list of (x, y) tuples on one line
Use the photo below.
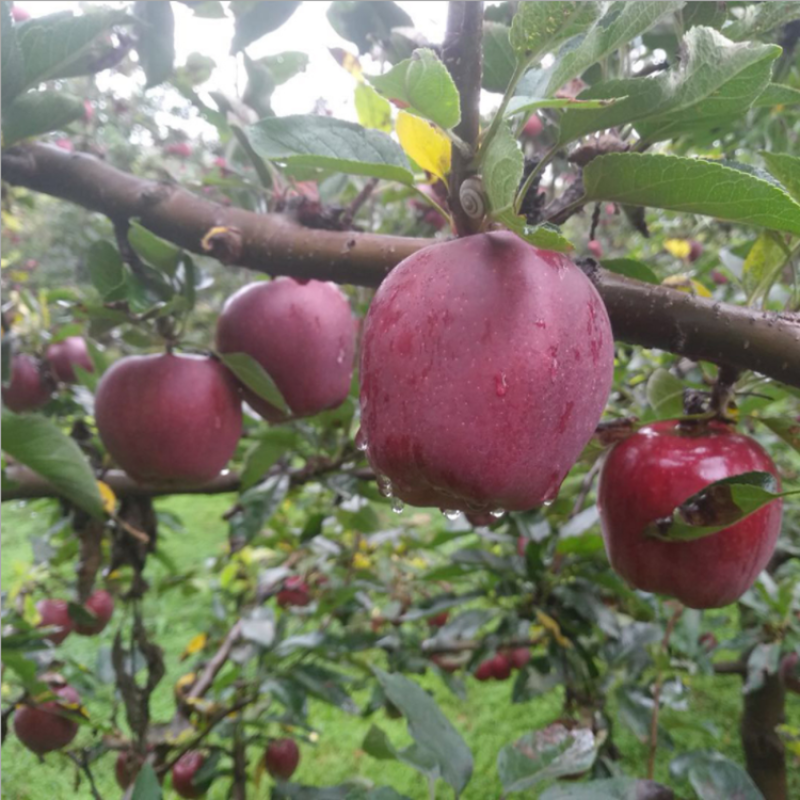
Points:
[(647, 475), (64, 355), (294, 593), (438, 620), (42, 728), (789, 672), (302, 334), (695, 250), (26, 390), (519, 657), (504, 354), (533, 127), (281, 758), (55, 613), (501, 667), (183, 773), (485, 670), (169, 418), (101, 604)]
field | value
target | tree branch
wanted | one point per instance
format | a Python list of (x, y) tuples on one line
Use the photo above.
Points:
[(641, 313)]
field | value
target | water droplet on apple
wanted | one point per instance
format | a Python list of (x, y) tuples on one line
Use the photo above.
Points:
[(384, 486), (398, 506), (501, 384), (548, 503), (361, 440), (451, 514), (498, 513)]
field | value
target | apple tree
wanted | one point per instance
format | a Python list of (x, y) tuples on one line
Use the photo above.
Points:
[(501, 384)]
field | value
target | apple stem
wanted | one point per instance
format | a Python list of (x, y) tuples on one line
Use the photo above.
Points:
[(723, 393)]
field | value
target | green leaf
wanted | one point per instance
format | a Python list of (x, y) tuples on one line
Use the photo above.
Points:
[(788, 429), (325, 684), (502, 171), (259, 458), (39, 112), (425, 85), (537, 28), (630, 268), (763, 265), (499, 60), (716, 507), (786, 169), (366, 24), (284, 66), (635, 709), (206, 9), (521, 105), (777, 94), (710, 14), (260, 19), (257, 505), (761, 18), (373, 110), (12, 65), (665, 394), (155, 44), (714, 777), (107, 271), (255, 378), (147, 786), (377, 744), (38, 444), (610, 789), (691, 185), (328, 143), (154, 250), (552, 752), (544, 236), (429, 728), (259, 627)]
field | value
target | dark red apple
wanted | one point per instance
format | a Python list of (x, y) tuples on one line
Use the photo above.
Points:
[(183, 774), (695, 250), (101, 604), (519, 657), (485, 670), (501, 667), (66, 354), (27, 389), (127, 767), (437, 620), (719, 278), (647, 475), (303, 336), (790, 672), (55, 613), (169, 418), (595, 248), (19, 14), (486, 365), (43, 728), (281, 758), (294, 593), (533, 127)]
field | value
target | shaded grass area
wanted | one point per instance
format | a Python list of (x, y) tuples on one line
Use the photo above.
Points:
[(487, 720)]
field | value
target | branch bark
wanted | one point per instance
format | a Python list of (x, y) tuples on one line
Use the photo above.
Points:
[(764, 752), (641, 313)]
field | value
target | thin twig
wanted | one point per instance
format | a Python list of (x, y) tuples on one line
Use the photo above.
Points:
[(206, 678), (349, 215), (84, 767)]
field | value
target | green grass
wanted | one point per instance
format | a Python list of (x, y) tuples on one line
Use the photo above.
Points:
[(487, 720)]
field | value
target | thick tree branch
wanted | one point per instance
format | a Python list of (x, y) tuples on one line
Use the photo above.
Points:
[(643, 314)]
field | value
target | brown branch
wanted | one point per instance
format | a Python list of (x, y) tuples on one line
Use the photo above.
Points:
[(465, 646), (462, 55), (641, 313), (203, 683), (731, 668)]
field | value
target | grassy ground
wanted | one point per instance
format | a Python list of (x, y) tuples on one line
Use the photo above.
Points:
[(487, 720)]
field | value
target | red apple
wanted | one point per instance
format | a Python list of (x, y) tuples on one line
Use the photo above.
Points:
[(501, 667), (19, 14), (101, 604), (183, 774), (43, 727), (438, 620), (294, 593), (595, 248), (485, 670), (790, 672), (522, 546), (55, 613), (483, 520), (169, 418), (533, 127), (281, 758), (519, 657), (647, 475), (486, 364), (66, 354), (26, 389), (719, 278), (127, 767), (178, 149), (88, 111), (695, 250), (302, 334)]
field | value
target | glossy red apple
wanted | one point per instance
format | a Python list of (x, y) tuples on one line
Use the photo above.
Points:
[(66, 354), (55, 614), (647, 475), (790, 672), (183, 775), (485, 670), (294, 593), (519, 657), (303, 336), (281, 758), (501, 667), (27, 389), (101, 604), (485, 367), (438, 620), (533, 127), (169, 418), (43, 728)]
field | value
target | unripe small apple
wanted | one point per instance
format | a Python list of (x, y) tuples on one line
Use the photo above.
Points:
[(501, 667), (789, 671), (101, 604), (646, 476), (55, 613), (169, 418), (281, 758), (303, 336), (19, 14), (595, 248), (187, 766), (485, 670), (43, 728), (65, 355), (485, 367), (294, 593), (533, 127), (27, 389), (438, 620)]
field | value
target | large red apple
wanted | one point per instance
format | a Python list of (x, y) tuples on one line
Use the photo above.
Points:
[(169, 418), (43, 727), (101, 604), (486, 364), (647, 475), (183, 774), (26, 389), (65, 355), (281, 758), (303, 336), (55, 614)]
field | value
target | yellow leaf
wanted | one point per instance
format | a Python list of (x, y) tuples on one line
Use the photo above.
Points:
[(11, 223), (553, 628), (108, 496), (348, 62), (425, 143), (360, 561), (683, 283), (196, 644), (418, 563), (680, 248), (184, 683)]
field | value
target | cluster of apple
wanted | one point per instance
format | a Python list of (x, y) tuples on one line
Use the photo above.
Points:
[(500, 667)]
